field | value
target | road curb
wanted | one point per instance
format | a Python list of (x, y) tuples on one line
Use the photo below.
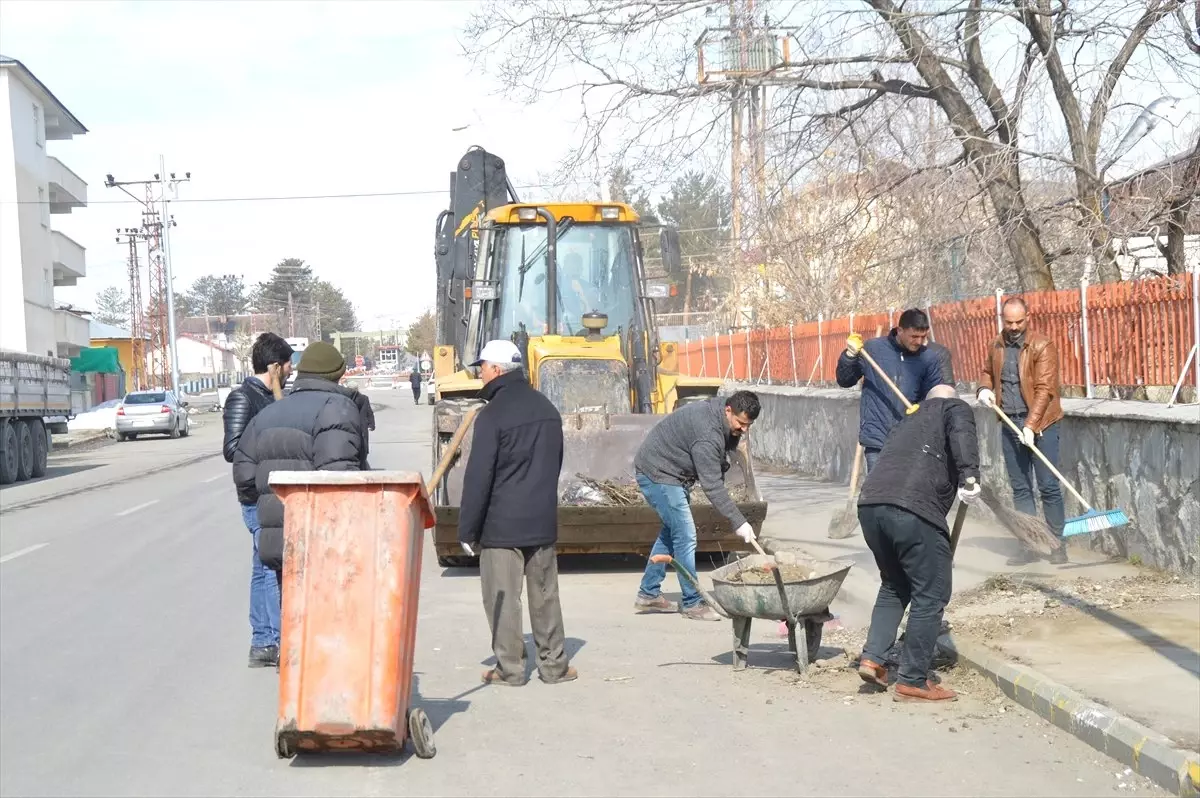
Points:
[(1144, 750), (12, 508)]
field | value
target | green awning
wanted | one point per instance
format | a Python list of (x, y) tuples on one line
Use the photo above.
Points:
[(97, 360)]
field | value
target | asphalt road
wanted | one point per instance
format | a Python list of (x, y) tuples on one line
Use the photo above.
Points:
[(123, 639)]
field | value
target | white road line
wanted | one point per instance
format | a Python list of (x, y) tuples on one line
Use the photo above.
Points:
[(137, 507), (214, 479), (22, 552)]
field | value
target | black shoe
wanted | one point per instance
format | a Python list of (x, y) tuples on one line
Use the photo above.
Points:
[(1059, 557), (264, 656), (1025, 557)]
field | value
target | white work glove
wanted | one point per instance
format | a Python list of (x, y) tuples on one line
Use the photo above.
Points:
[(1027, 437), (987, 398), (854, 344), (969, 493), (466, 547), (745, 532)]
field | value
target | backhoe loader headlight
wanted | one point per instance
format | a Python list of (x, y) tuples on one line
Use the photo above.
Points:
[(527, 214), (610, 214)]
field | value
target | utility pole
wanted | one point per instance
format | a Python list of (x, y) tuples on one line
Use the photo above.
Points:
[(291, 315), (156, 223), (137, 320)]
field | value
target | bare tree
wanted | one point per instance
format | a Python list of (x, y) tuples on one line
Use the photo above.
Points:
[(1028, 94)]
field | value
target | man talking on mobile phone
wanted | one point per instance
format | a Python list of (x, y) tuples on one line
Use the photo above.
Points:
[(271, 358)]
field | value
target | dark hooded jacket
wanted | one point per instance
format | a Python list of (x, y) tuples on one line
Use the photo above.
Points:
[(316, 427)]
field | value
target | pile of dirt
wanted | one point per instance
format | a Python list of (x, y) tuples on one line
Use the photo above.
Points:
[(583, 491), (1003, 605), (764, 576)]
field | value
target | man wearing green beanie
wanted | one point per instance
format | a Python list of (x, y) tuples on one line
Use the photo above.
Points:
[(316, 427)]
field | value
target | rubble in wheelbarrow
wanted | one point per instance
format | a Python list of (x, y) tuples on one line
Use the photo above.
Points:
[(582, 491), (758, 575)]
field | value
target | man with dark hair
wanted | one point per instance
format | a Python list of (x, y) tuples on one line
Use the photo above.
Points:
[(316, 427), (271, 359), (511, 515), (931, 456), (903, 356), (1021, 377), (689, 445)]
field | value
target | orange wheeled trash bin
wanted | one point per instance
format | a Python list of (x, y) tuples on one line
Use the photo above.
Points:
[(351, 579)]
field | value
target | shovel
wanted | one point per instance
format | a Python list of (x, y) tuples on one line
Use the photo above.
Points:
[(845, 519)]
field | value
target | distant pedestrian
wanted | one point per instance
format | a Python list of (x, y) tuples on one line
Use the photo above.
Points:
[(689, 445), (928, 458), (510, 515), (414, 379), (271, 359), (363, 402), (1021, 376), (316, 427), (903, 356)]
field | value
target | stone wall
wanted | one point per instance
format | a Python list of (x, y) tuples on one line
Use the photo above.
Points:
[(1142, 458)]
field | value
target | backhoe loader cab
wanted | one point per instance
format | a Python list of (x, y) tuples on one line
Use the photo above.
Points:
[(566, 282)]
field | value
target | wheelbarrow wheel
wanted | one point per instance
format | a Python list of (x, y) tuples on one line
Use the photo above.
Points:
[(283, 747), (420, 731)]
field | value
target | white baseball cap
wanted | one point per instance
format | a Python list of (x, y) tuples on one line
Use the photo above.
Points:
[(498, 351)]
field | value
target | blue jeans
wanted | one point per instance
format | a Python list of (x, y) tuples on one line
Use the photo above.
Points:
[(264, 590), (1018, 460), (677, 538)]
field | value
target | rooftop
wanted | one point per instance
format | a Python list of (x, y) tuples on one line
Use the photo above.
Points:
[(59, 125)]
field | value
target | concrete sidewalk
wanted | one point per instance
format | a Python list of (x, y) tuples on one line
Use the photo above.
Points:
[(1108, 651)]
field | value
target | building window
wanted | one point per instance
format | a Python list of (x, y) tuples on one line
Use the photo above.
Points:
[(43, 207), (38, 132)]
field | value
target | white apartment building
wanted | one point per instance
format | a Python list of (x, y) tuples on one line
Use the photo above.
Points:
[(34, 187)]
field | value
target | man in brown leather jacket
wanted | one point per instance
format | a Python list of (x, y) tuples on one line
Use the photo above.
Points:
[(1021, 377)]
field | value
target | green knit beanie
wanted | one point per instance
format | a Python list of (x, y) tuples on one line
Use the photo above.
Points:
[(323, 361)]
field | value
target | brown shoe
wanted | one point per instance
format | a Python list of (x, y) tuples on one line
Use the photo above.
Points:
[(701, 612), (872, 672), (493, 677), (657, 604), (931, 692), (569, 675)]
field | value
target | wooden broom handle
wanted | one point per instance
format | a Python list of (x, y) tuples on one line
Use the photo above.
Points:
[(1045, 460), (883, 376), (451, 450)]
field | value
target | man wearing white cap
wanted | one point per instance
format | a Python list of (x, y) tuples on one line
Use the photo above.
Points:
[(509, 515)]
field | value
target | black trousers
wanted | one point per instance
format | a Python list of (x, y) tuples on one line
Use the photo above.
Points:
[(914, 569)]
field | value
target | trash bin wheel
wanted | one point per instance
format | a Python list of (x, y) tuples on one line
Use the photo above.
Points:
[(283, 748), (420, 731)]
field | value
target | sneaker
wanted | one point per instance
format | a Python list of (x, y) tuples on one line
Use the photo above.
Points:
[(930, 693), (569, 675), (264, 656), (873, 673), (701, 612), (656, 604), (1059, 557)]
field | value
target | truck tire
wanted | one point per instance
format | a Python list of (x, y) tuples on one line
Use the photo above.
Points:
[(41, 447), (24, 452), (8, 452)]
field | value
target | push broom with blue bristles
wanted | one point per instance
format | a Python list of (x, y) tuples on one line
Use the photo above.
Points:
[(1093, 520)]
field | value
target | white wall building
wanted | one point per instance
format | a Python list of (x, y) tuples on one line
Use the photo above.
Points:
[(198, 357), (35, 186)]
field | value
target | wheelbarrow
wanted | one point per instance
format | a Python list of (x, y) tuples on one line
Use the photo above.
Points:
[(798, 603)]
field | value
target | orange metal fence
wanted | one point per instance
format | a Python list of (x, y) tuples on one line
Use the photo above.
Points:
[(1133, 334)]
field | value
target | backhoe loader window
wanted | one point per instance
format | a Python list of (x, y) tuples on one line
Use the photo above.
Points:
[(595, 273)]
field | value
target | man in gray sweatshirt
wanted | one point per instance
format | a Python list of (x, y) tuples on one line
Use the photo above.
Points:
[(691, 444)]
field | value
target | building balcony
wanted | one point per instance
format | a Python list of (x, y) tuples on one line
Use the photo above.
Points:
[(67, 189), (71, 333), (70, 260)]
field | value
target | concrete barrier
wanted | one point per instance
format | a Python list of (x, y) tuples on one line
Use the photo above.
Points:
[(1142, 458)]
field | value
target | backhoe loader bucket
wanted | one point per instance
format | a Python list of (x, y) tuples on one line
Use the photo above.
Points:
[(600, 447)]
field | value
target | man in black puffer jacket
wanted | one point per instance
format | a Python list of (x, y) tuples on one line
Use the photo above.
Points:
[(316, 427), (271, 358), (509, 510), (929, 457)]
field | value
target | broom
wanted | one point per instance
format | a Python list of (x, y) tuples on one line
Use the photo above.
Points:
[(1091, 521), (1031, 531)]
